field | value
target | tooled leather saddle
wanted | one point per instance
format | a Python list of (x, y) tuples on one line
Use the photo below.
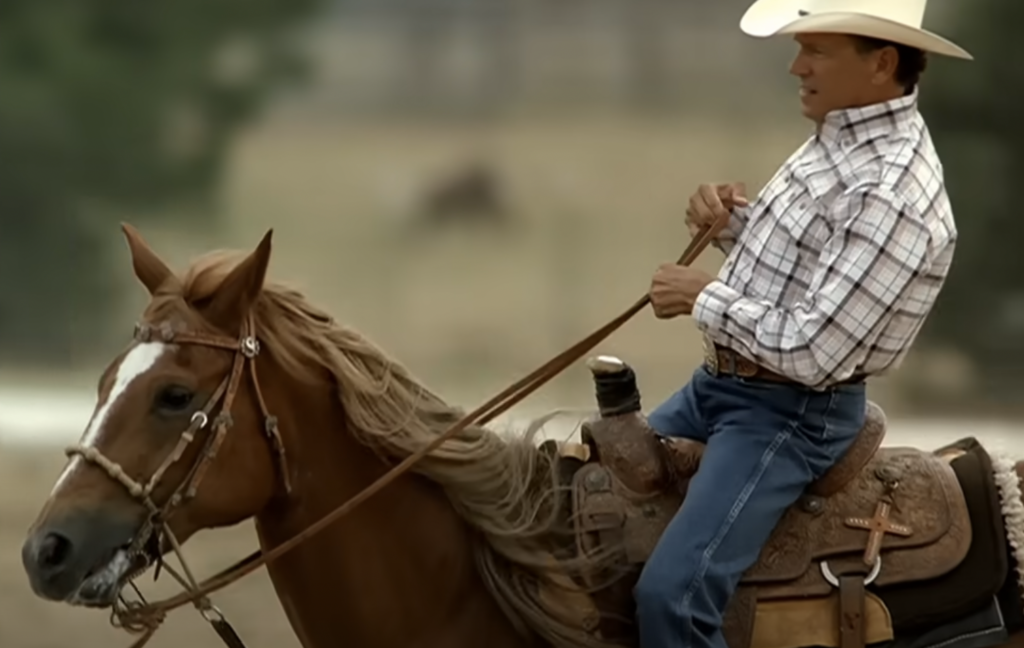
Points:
[(881, 517)]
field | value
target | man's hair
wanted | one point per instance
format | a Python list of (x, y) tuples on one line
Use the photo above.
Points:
[(912, 61)]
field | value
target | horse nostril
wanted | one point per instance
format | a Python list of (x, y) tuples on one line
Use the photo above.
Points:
[(54, 550)]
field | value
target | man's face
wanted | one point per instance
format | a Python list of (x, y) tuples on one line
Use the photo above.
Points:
[(834, 75)]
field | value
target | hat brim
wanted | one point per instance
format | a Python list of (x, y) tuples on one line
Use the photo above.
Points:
[(774, 17)]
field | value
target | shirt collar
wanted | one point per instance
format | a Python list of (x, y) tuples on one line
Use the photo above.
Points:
[(852, 125)]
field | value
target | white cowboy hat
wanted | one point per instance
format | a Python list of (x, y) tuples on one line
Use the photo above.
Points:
[(898, 21)]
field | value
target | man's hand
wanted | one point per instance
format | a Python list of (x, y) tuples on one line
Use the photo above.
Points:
[(712, 202), (675, 288)]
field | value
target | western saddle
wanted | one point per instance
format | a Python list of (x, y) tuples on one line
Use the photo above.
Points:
[(879, 517)]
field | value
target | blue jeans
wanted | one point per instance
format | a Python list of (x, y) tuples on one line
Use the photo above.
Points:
[(766, 442)]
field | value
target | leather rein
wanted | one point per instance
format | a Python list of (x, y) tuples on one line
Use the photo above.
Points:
[(145, 618)]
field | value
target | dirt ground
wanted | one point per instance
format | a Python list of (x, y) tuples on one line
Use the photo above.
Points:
[(26, 477)]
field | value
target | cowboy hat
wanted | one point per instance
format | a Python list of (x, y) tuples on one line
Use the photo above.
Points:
[(898, 21)]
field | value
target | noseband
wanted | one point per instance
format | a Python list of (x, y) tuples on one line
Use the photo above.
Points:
[(156, 526)]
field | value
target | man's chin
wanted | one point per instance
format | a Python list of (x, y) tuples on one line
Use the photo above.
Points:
[(809, 112)]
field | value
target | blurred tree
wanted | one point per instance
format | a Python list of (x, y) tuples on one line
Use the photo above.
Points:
[(110, 107), (971, 110)]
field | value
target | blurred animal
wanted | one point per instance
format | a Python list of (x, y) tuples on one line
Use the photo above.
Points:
[(470, 196)]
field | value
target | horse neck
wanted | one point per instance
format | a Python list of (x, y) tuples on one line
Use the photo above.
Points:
[(398, 570)]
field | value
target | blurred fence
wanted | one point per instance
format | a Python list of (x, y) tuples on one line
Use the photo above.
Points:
[(458, 58)]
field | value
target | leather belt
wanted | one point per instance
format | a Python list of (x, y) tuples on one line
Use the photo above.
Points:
[(722, 361)]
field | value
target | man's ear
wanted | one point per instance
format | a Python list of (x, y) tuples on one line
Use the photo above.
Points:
[(887, 60), (150, 270), (231, 303)]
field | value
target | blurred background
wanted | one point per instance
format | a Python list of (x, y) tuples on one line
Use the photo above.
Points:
[(474, 184)]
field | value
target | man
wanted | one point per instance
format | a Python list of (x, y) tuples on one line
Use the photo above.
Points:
[(829, 276)]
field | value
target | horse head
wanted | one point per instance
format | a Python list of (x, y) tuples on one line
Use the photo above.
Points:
[(130, 491)]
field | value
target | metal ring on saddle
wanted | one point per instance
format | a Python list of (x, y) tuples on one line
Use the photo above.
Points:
[(834, 581)]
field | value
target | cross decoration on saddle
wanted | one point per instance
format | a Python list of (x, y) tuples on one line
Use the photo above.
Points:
[(880, 524)]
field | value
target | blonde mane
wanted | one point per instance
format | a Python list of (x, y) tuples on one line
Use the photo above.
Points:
[(505, 488)]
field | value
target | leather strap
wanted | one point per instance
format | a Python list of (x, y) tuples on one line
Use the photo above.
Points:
[(227, 633), (851, 611)]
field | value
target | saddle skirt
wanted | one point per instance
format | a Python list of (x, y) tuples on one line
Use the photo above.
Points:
[(928, 502)]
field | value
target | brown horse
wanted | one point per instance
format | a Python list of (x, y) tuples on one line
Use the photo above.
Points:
[(198, 426)]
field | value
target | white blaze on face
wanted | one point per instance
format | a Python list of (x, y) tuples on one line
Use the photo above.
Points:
[(135, 363)]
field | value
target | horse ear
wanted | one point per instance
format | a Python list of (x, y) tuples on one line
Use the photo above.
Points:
[(149, 269), (236, 295)]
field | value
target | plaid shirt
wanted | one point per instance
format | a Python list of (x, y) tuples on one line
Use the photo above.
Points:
[(833, 268)]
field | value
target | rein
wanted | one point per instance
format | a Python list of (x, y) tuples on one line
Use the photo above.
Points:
[(146, 617)]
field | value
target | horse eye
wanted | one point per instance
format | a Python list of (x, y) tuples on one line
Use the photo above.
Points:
[(174, 398)]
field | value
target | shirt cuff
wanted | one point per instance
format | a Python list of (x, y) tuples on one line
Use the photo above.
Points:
[(711, 305)]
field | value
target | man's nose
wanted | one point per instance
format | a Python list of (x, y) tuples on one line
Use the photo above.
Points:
[(799, 67)]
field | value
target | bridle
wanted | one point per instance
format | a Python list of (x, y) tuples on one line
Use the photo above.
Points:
[(155, 528), (145, 618)]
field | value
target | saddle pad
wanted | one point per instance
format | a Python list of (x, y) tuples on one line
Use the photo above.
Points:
[(980, 629), (975, 581), (929, 501)]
